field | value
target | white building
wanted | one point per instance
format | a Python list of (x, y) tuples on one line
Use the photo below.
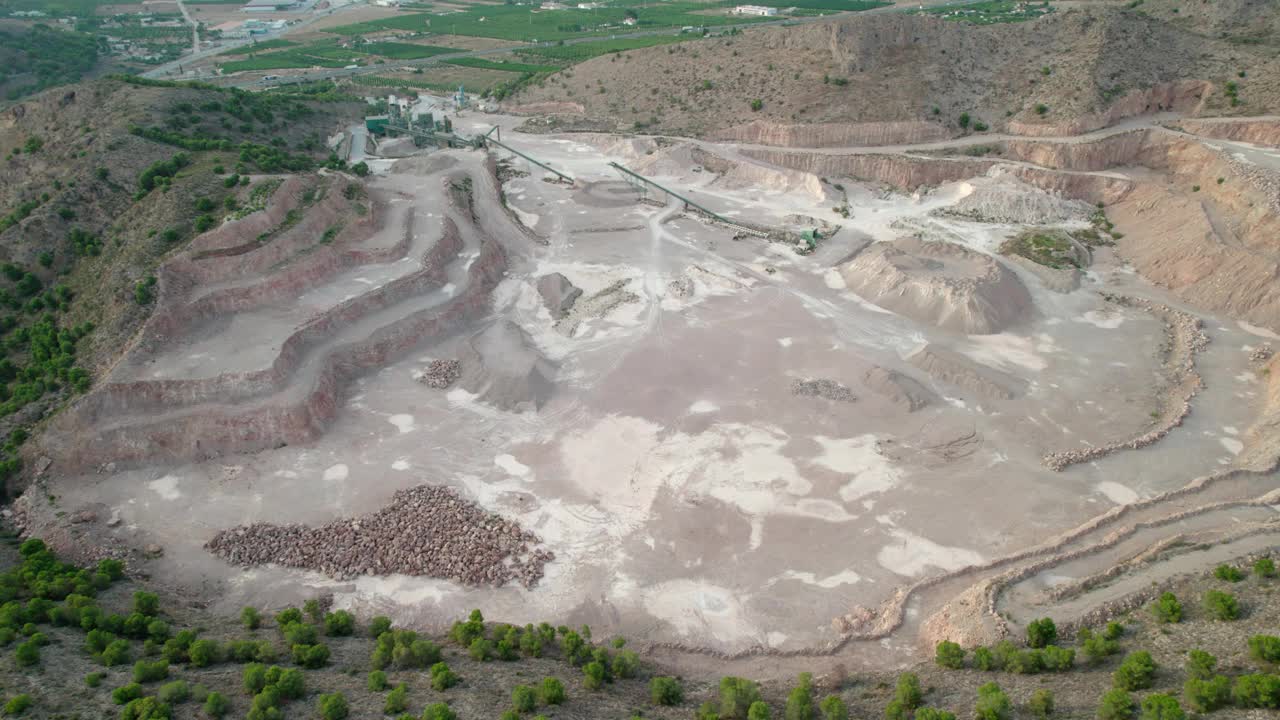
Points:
[(387, 3), (759, 10)]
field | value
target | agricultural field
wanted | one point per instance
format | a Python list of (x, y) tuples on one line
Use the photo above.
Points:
[(403, 51), (522, 23), (515, 67), (578, 52), (993, 12), (264, 46)]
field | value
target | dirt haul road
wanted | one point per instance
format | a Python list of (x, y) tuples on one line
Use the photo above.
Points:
[(715, 445)]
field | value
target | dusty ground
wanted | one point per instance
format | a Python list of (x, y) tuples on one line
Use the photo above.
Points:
[(651, 438)]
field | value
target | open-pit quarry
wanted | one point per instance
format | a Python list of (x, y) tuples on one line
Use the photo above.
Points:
[(992, 384)]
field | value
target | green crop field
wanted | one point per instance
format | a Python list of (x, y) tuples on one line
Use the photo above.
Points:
[(503, 66), (404, 51), (823, 5), (993, 11), (512, 22), (264, 46)]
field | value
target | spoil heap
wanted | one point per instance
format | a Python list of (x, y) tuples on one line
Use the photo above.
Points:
[(425, 530)]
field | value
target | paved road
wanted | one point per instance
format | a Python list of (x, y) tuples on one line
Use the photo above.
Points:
[(329, 74)]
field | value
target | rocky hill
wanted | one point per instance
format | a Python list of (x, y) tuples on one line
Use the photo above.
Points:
[(1058, 73), (98, 182)]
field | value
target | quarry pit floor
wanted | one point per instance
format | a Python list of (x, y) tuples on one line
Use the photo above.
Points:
[(694, 500)]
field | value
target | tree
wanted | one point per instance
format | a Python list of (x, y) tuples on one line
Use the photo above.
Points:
[(1265, 648), (377, 681), (1167, 609), (964, 121), (174, 693), (908, 691), (254, 678), (204, 653), (1161, 706), (949, 655), (551, 692), (1041, 632), (1221, 606), (1115, 705), (1264, 568), (361, 168), (146, 603), (1041, 703), (1200, 665), (480, 649), (736, 695), (833, 708), (379, 625), (1257, 691), (1229, 573), (333, 706), (442, 678), (1207, 694), (758, 711), (339, 623), (18, 705), (666, 691), (800, 700), (983, 659), (992, 703), (397, 700), (311, 656), (757, 105), (524, 699), (216, 705), (438, 711), (595, 675), (928, 713), (1136, 672)]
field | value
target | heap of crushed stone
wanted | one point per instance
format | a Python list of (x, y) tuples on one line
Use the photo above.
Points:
[(426, 530)]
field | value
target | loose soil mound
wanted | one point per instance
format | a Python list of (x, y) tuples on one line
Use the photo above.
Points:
[(502, 366), (941, 284), (426, 530), (955, 369), (1006, 199), (899, 389)]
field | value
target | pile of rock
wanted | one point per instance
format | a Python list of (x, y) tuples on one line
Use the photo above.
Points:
[(1261, 354), (426, 530), (823, 388), (440, 374)]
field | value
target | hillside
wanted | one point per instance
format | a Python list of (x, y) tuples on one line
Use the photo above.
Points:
[(83, 648), (1056, 72), (98, 182)]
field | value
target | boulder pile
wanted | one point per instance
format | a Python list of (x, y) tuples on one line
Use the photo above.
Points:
[(426, 530), (823, 388), (440, 374)]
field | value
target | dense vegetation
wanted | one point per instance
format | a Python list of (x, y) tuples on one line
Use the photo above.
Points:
[(44, 57)]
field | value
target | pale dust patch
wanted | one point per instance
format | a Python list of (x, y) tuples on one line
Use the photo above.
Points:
[(1117, 493), (335, 473), (860, 458), (166, 487), (911, 555)]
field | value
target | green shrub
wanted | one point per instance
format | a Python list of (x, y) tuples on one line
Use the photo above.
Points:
[(800, 699), (736, 695), (145, 708), (1257, 691), (216, 705), (145, 672), (524, 699), (288, 616), (339, 623), (983, 659), (594, 675), (146, 603), (1041, 703), (625, 664), (928, 713), (1113, 631), (299, 633), (311, 656), (204, 653), (361, 168), (1097, 647), (377, 681), (291, 684), (438, 711), (442, 678), (115, 653), (94, 679), (551, 692), (254, 678), (174, 693), (333, 706), (833, 708), (1115, 705), (666, 691), (1200, 664), (379, 625), (1229, 573), (1265, 648), (1057, 659), (123, 695), (18, 705), (404, 649), (908, 691), (992, 703), (1161, 706), (1041, 633), (1167, 609), (949, 655), (1025, 662), (1207, 694), (1136, 672), (27, 654), (480, 649), (757, 105), (1221, 606), (1264, 568), (397, 700)]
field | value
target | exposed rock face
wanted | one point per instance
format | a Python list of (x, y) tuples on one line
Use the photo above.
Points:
[(502, 367), (1003, 198), (955, 369), (1259, 131), (558, 294), (1186, 96), (426, 530), (834, 134), (899, 389), (940, 283)]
